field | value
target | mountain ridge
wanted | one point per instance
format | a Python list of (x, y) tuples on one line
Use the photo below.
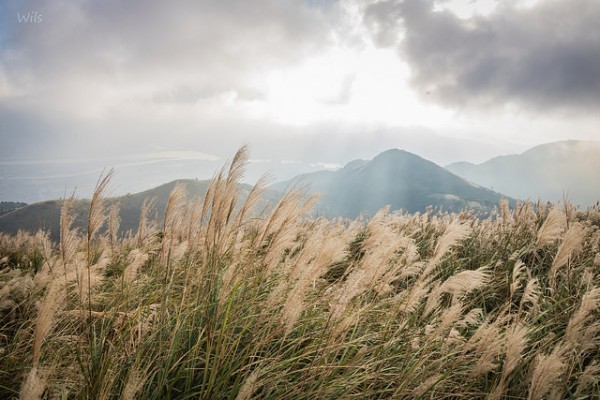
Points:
[(45, 215), (397, 178), (549, 172)]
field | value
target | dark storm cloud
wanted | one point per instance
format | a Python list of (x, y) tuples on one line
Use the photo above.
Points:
[(542, 57)]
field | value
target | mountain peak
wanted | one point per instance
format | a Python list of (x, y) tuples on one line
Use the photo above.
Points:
[(397, 178), (565, 148), (544, 172), (393, 153)]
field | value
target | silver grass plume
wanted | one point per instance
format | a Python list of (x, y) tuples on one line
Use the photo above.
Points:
[(571, 245), (552, 229)]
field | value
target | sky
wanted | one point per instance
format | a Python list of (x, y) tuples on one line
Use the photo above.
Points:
[(307, 84)]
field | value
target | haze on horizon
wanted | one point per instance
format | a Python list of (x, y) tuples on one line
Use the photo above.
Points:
[(308, 84)]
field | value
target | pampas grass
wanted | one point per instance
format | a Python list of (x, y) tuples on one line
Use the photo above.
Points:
[(589, 377), (546, 374), (590, 304), (97, 215), (135, 260), (52, 302), (225, 301), (570, 246), (33, 386), (114, 222), (552, 228), (135, 381), (249, 386)]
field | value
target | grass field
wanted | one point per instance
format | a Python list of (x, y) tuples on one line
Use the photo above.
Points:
[(219, 301)]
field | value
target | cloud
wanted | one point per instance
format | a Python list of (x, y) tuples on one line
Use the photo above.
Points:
[(211, 44), (541, 57), (296, 80), (107, 74), (326, 165)]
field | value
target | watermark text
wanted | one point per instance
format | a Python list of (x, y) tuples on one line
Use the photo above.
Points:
[(31, 17)]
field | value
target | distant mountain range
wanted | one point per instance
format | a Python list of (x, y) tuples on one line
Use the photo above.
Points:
[(46, 215), (396, 178), (545, 172)]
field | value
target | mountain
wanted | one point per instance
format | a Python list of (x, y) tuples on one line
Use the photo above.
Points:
[(544, 172), (396, 178), (8, 206), (46, 215)]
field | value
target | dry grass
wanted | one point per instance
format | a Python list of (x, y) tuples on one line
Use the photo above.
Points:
[(223, 302)]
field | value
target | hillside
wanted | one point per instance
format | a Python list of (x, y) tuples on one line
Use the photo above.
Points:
[(396, 178), (404, 306), (45, 215), (544, 172), (8, 206)]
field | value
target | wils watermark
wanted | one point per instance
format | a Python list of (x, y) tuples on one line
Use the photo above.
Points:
[(31, 17)]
